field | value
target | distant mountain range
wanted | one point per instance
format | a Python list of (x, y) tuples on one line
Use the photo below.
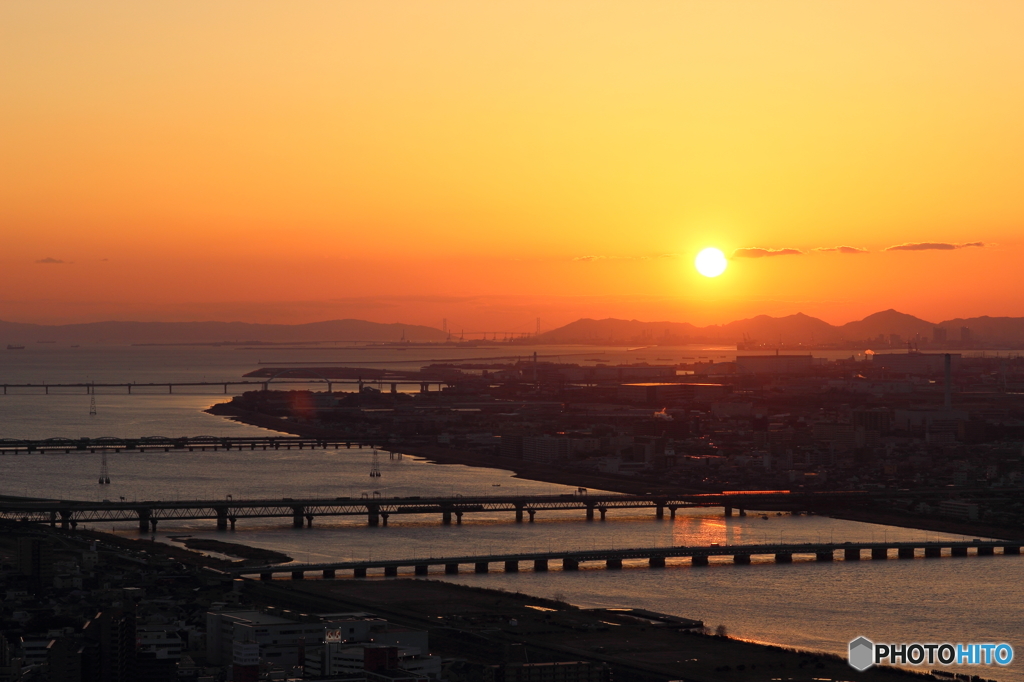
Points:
[(763, 329), (213, 332), (789, 330)]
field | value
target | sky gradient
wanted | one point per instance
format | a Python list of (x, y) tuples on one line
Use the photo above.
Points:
[(495, 162)]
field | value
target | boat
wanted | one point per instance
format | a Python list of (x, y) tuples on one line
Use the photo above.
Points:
[(764, 517), (11, 346)]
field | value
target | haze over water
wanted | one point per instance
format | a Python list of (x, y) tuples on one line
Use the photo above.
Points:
[(807, 604)]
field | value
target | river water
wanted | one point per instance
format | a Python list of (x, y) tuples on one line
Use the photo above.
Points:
[(820, 606)]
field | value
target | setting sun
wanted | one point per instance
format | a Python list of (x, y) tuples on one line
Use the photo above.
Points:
[(711, 262)]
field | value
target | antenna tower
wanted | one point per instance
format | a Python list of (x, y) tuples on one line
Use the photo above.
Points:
[(375, 468), (92, 404)]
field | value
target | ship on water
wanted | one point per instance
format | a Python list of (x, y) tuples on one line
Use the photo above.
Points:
[(11, 346)]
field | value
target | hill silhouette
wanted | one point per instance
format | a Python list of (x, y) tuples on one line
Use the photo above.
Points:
[(213, 332), (788, 330)]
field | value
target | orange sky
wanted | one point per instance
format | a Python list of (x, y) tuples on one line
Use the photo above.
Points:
[(494, 162)]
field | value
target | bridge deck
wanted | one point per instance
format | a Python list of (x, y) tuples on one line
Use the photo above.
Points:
[(581, 556)]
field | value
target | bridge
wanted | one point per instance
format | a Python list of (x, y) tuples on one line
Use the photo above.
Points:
[(14, 446), (90, 387), (377, 509), (656, 557)]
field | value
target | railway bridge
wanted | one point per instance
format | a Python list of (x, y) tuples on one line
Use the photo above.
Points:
[(377, 509), (781, 553)]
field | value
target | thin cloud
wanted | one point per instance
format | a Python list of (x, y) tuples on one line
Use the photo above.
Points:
[(761, 253), (51, 261), (933, 246), (594, 258), (843, 249)]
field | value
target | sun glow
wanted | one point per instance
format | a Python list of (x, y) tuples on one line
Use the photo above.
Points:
[(711, 262)]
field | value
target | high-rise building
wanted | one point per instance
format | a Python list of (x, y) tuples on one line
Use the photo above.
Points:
[(939, 335), (113, 632), (10, 665), (35, 560)]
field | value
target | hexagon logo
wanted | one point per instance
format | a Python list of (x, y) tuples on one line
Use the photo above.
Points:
[(862, 653)]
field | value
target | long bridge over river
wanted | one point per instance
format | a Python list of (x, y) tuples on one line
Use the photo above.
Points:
[(377, 509), (15, 446), (654, 556)]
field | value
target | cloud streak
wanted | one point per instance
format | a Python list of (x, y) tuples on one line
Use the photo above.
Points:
[(757, 252), (51, 261), (934, 246), (843, 249), (587, 259)]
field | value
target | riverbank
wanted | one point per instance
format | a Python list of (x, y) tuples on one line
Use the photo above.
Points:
[(968, 529), (481, 626)]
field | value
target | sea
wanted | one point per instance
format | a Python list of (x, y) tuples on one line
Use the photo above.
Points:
[(818, 606)]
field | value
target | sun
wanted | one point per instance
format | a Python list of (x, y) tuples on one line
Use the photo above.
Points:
[(711, 262)]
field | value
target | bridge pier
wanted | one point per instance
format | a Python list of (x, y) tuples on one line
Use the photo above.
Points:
[(384, 519), (519, 513), (825, 556), (390, 571), (451, 569), (481, 567), (359, 573), (421, 569), (232, 520), (656, 562), (512, 566), (309, 521), (879, 553), (851, 554), (298, 575), (372, 515), (569, 564), (659, 511), (65, 520), (931, 552), (958, 551), (540, 565), (297, 513), (53, 519), (603, 510), (784, 558), (613, 564), (152, 522), (728, 511), (741, 559), (143, 520), (1011, 549), (532, 512), (458, 518), (590, 512), (222, 518), (743, 512), (266, 577), (672, 511), (905, 553), (329, 574), (986, 551), (446, 518), (699, 560)]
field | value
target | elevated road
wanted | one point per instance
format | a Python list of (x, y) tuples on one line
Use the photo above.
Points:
[(377, 509), (655, 557)]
